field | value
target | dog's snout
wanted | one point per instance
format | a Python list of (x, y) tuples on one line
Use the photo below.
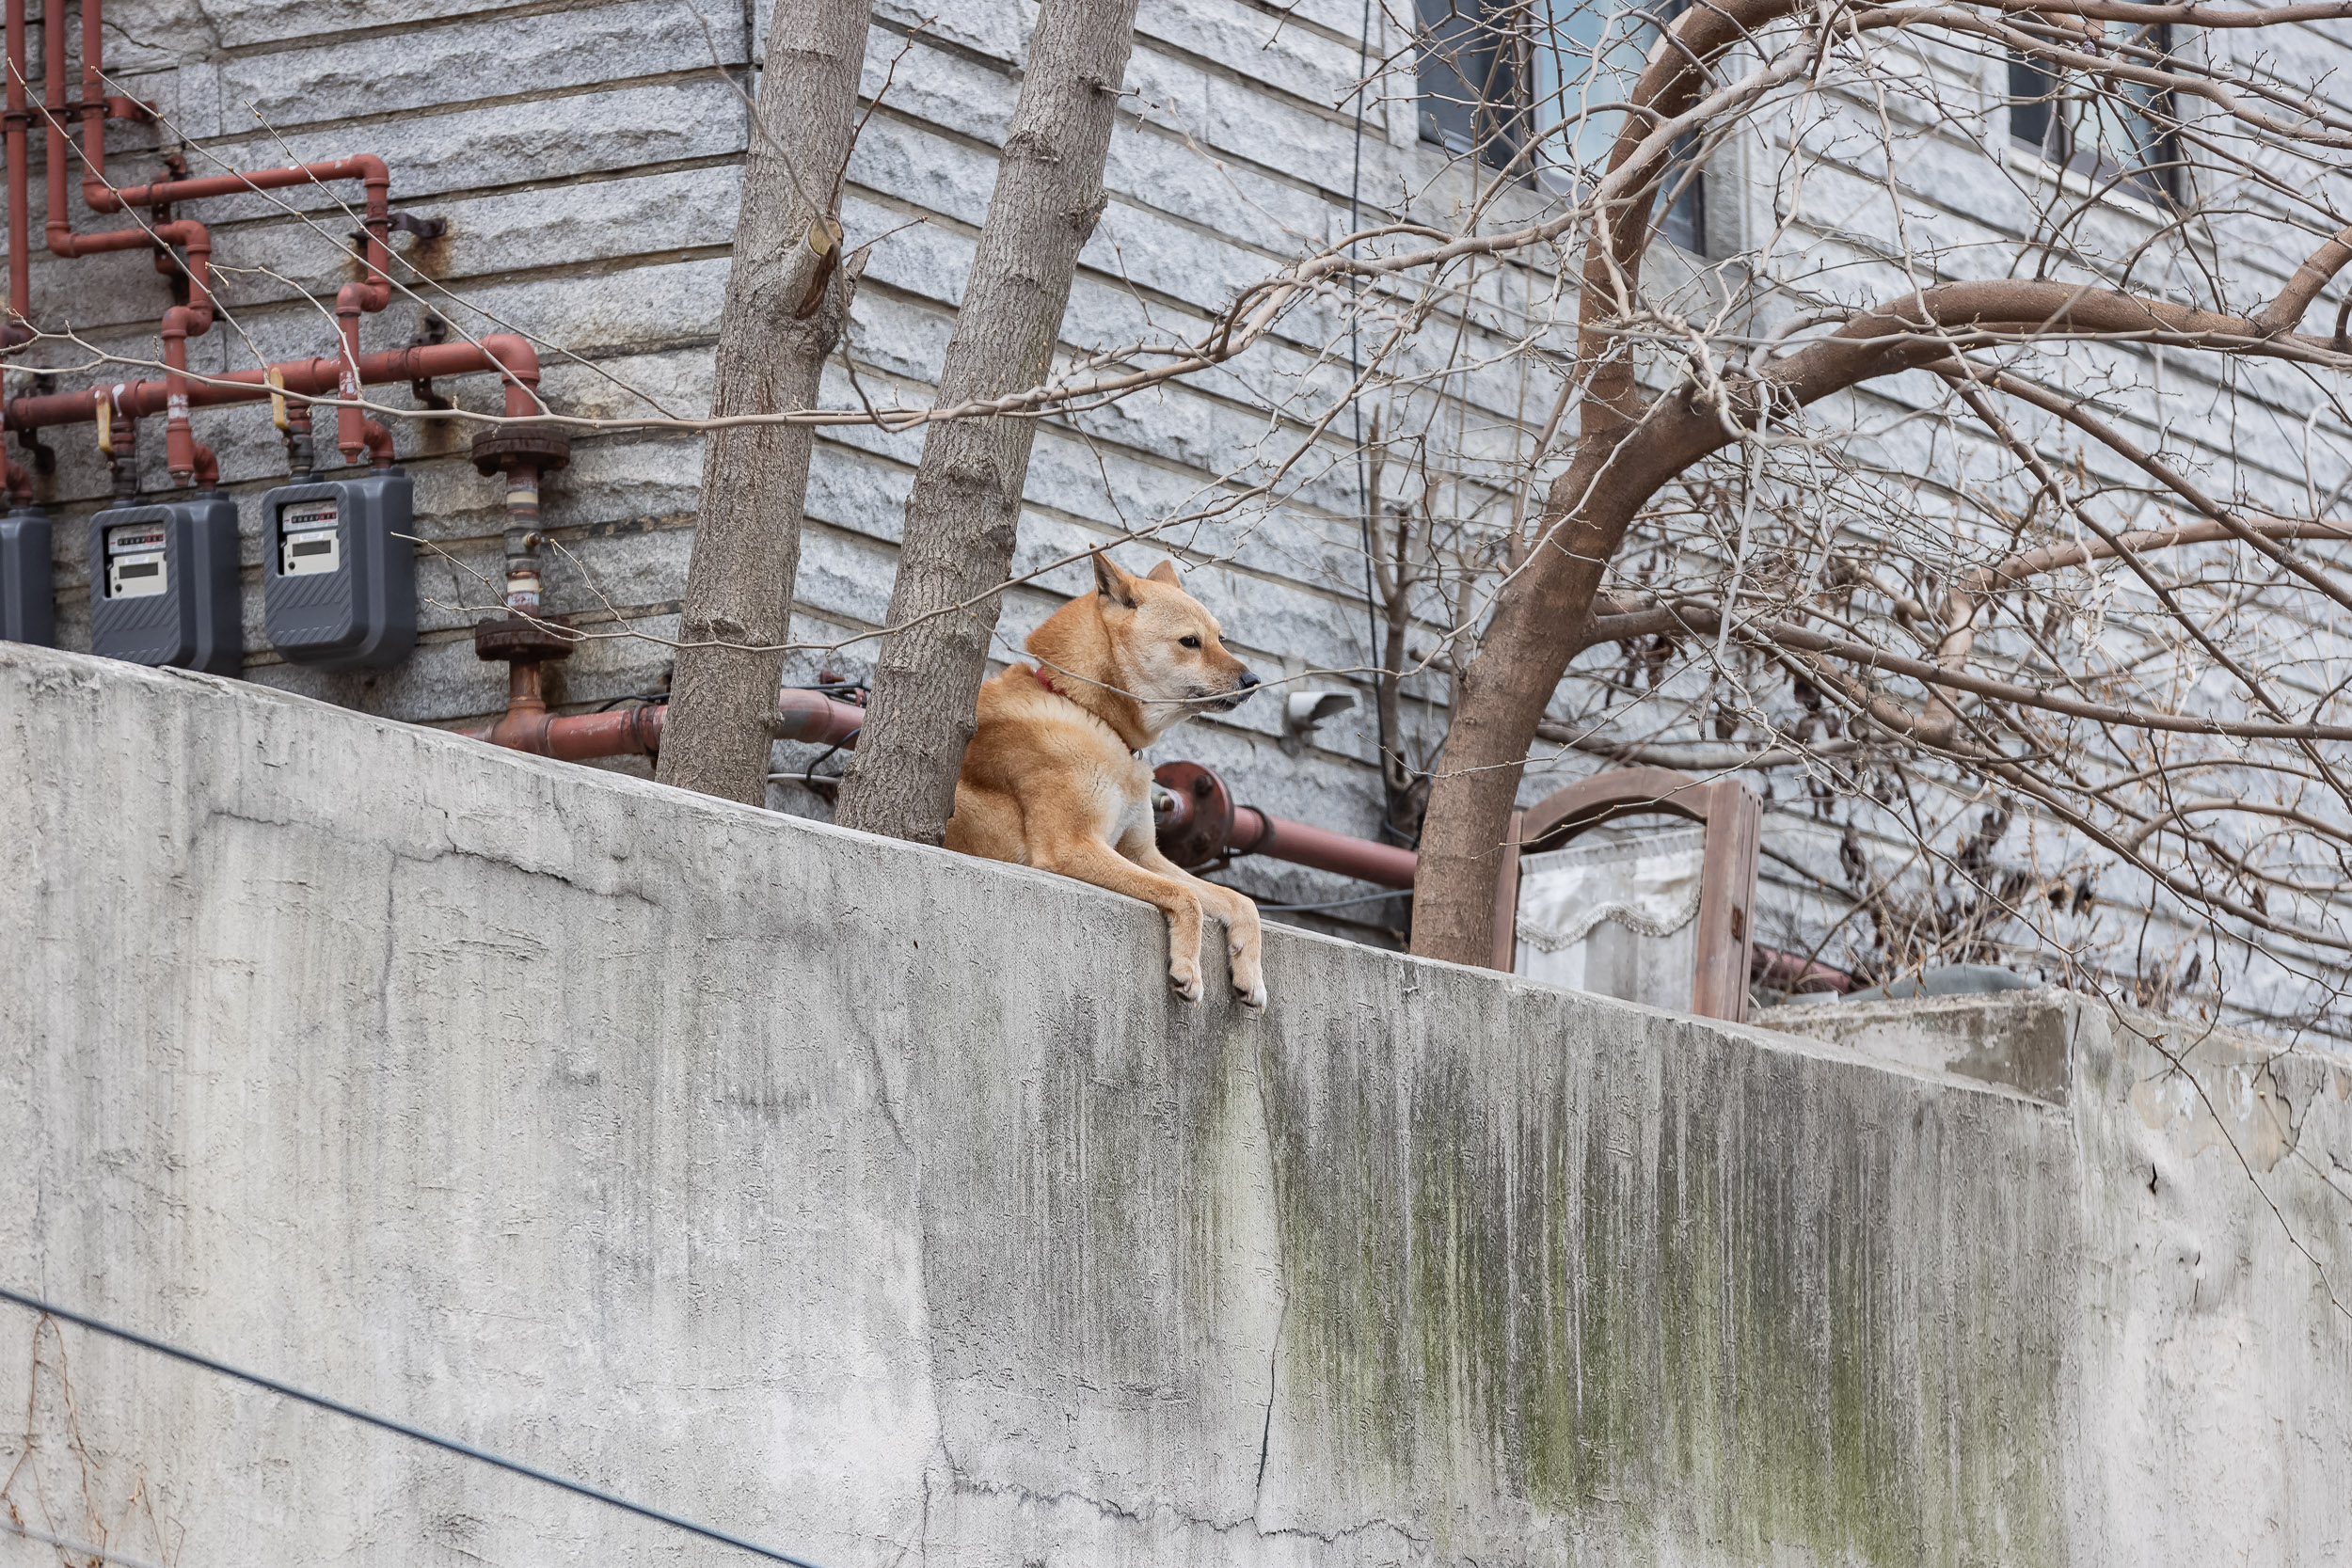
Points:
[(1244, 686)]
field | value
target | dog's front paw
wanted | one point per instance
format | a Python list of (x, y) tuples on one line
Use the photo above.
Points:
[(1248, 983), (1186, 979)]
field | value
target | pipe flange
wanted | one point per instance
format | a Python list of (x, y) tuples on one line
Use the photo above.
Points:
[(512, 639), (1199, 834), (498, 449)]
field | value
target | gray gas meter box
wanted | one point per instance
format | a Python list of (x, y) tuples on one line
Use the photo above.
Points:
[(163, 584), (27, 612), (339, 590)]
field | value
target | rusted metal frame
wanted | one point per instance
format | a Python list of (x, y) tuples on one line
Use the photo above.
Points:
[(1732, 817)]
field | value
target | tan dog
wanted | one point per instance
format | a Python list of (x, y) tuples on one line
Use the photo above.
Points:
[(1055, 776)]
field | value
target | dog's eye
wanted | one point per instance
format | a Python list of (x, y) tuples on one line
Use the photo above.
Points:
[(1188, 641)]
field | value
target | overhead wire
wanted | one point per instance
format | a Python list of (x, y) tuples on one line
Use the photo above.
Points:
[(403, 1429), (78, 1548)]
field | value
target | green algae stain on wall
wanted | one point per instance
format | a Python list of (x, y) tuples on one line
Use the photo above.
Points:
[(1694, 1299)]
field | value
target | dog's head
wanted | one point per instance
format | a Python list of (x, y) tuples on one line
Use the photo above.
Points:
[(1167, 647)]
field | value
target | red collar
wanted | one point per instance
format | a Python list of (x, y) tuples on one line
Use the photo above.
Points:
[(1047, 681)]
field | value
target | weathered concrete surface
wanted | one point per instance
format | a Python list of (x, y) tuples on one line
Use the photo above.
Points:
[(882, 1205), (2212, 1352)]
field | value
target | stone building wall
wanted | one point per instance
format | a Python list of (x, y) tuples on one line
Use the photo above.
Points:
[(586, 156)]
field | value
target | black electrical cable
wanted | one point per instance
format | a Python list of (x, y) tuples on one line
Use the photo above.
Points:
[(1339, 903), (648, 698), (401, 1428), (1334, 904)]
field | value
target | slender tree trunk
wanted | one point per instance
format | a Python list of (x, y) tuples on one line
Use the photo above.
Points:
[(787, 294), (1498, 699), (966, 500)]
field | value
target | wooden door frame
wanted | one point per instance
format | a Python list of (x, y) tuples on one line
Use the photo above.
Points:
[(1732, 817)]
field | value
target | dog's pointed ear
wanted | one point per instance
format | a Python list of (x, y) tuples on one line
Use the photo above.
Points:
[(1116, 586), (1164, 572)]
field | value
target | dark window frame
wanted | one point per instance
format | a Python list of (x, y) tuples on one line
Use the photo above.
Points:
[(2046, 117), (1495, 117)]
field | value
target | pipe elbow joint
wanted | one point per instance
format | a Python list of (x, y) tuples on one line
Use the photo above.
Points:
[(520, 362)]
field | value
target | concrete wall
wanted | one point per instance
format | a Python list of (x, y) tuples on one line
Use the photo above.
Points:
[(882, 1205)]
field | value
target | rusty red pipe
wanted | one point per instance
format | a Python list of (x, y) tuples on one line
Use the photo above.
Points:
[(94, 95), (351, 437), (96, 106), (371, 295), (178, 434), (1199, 824), (19, 329), (365, 167), (527, 725), (512, 357), (1791, 974), (1255, 833), (809, 716), (55, 135)]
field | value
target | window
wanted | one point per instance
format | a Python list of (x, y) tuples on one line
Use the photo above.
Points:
[(1588, 57), (1539, 84), (1472, 91), (2111, 133)]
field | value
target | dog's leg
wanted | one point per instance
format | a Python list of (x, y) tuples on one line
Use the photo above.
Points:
[(1090, 859), (1236, 909)]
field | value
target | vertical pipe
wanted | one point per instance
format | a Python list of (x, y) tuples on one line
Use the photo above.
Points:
[(300, 462), (179, 435), (125, 454), (93, 101), (351, 434), (20, 219), (522, 539), (54, 133)]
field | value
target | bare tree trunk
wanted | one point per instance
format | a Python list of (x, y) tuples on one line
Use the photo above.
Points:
[(965, 506), (1498, 699), (787, 294)]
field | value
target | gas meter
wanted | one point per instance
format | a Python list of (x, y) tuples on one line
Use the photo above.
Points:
[(28, 614), (338, 588), (163, 584)]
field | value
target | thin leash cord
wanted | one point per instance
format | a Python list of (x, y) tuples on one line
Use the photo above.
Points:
[(34, 1304)]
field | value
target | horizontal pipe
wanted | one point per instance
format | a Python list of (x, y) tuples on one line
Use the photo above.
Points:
[(1793, 972), (501, 351), (817, 718), (1279, 838), (366, 167), (809, 716)]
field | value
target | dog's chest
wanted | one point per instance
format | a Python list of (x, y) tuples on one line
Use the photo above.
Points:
[(1122, 799)]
